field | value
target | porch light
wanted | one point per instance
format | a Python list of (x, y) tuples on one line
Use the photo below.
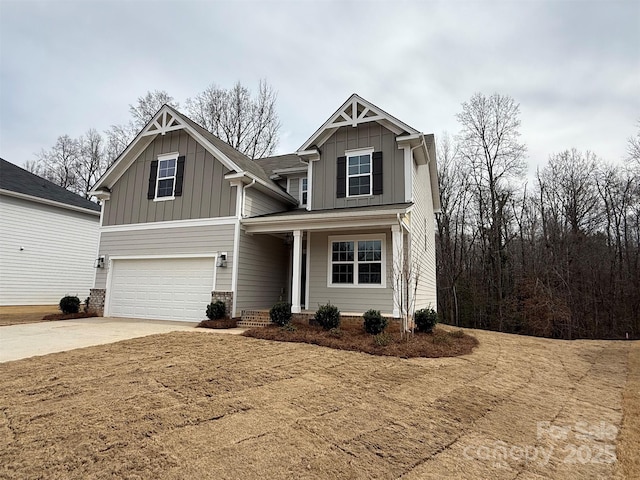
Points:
[(221, 260), (99, 263)]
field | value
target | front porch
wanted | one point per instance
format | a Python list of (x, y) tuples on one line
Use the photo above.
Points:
[(351, 258)]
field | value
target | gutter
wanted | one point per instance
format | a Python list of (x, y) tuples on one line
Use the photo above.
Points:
[(244, 194)]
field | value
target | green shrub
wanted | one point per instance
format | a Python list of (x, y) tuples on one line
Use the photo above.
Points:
[(216, 310), (328, 316), (335, 333), (288, 327), (425, 319), (70, 304), (456, 334), (374, 323), (382, 339), (280, 313)]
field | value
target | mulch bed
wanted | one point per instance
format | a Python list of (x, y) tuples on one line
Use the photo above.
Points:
[(223, 323), (351, 336), (69, 316)]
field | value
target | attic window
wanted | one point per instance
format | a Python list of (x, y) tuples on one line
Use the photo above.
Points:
[(166, 177), (303, 190)]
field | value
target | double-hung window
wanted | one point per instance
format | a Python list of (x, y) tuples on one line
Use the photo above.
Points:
[(359, 172), (356, 261), (303, 190), (166, 181)]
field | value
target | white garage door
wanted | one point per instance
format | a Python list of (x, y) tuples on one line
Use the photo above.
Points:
[(166, 289)]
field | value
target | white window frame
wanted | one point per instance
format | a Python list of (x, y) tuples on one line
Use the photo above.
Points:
[(164, 158), (303, 191), (355, 239), (357, 153)]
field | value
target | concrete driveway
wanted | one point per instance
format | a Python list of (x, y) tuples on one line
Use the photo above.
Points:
[(28, 340)]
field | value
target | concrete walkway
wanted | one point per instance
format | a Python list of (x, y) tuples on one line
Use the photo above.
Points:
[(28, 340)]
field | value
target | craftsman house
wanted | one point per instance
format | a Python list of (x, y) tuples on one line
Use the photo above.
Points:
[(185, 216)]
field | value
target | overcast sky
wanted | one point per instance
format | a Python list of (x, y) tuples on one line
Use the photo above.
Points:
[(573, 66)]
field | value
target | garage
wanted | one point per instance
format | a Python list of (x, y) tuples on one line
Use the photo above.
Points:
[(161, 288)]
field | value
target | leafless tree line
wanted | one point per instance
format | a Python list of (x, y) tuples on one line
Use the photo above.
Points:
[(560, 258), (248, 123)]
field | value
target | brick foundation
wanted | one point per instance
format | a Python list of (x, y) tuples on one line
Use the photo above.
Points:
[(226, 297), (96, 300)]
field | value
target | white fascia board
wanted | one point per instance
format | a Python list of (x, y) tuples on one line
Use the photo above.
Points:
[(300, 169), (246, 178), (196, 222), (44, 201)]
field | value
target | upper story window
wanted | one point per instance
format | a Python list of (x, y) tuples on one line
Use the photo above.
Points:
[(359, 173), (303, 191), (166, 177), (356, 261)]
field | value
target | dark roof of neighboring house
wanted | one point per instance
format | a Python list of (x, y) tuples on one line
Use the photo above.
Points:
[(290, 160), (16, 179)]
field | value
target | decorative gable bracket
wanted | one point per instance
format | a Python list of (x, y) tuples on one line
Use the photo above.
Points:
[(353, 114), (162, 124)]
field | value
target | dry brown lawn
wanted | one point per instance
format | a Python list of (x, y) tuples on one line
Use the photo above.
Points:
[(14, 315), (206, 405)]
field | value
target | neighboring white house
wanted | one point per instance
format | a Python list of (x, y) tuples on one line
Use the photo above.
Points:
[(48, 239)]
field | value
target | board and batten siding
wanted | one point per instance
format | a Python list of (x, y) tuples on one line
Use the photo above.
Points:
[(205, 192), (423, 247), (170, 242), (258, 203), (59, 249), (263, 262), (368, 135), (347, 299)]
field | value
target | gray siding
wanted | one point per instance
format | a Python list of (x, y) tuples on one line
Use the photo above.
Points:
[(348, 299), (259, 203), (170, 241), (423, 248), (366, 135), (262, 272), (205, 191), (294, 187)]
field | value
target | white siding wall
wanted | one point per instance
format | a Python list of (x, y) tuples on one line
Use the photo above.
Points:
[(59, 251), (423, 247)]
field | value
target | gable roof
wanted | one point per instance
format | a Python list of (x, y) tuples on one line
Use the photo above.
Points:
[(271, 165), (354, 111), (168, 119), (21, 183)]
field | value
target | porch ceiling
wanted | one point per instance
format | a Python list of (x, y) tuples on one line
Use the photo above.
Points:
[(356, 217)]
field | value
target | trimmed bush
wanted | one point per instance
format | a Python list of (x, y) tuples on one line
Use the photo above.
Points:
[(328, 316), (382, 339), (280, 313), (425, 319), (216, 310), (70, 304), (374, 322)]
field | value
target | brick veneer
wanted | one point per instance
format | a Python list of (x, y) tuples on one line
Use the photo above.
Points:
[(96, 300), (226, 297)]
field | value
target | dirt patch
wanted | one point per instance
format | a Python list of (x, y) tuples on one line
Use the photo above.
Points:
[(351, 336), (629, 465), (206, 405), (15, 315)]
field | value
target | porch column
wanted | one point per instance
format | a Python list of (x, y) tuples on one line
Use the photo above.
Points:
[(297, 271), (397, 266)]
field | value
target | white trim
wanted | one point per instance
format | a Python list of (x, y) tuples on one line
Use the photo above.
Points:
[(357, 153), (300, 169), (288, 185), (297, 271), (236, 246), (397, 255), (308, 275), (196, 222), (107, 297), (53, 203), (355, 239), (168, 156)]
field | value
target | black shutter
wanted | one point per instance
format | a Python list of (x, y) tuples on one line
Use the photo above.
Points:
[(341, 177), (153, 174), (179, 176), (377, 173)]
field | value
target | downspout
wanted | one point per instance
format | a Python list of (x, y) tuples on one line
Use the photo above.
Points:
[(244, 194)]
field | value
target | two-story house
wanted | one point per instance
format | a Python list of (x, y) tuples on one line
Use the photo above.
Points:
[(347, 219)]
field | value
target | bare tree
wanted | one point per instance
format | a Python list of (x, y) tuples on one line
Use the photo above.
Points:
[(91, 161), (248, 124), (148, 105), (490, 144), (59, 164), (633, 148)]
